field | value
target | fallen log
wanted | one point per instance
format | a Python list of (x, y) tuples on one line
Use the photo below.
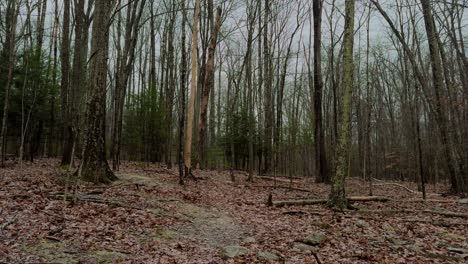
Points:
[(299, 202), (446, 213), (95, 199), (427, 200), (404, 187), (283, 187), (268, 178), (431, 222), (324, 201), (396, 184), (368, 199)]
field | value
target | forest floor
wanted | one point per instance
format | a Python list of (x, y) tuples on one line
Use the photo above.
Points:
[(146, 217)]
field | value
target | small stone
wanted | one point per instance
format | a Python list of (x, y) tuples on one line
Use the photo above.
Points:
[(267, 255), (233, 251), (399, 242), (249, 240), (388, 228), (315, 239), (463, 201), (303, 247), (361, 223)]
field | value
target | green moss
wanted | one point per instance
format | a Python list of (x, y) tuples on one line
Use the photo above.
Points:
[(165, 234), (49, 251), (102, 256)]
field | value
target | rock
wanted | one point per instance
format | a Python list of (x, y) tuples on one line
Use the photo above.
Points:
[(463, 201), (233, 251), (267, 255), (388, 229), (303, 247), (399, 242), (249, 240), (315, 239), (362, 224)]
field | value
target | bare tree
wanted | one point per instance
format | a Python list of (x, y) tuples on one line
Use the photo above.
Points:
[(94, 166), (337, 195), (193, 83)]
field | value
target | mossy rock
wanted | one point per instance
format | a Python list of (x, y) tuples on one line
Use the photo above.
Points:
[(233, 251), (267, 255), (303, 247), (315, 239)]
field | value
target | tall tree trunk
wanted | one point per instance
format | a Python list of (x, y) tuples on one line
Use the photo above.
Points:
[(170, 87), (193, 84), (337, 195), (8, 55), (126, 60), (321, 168), (183, 78), (65, 84), (207, 85), (267, 90), (368, 112), (94, 166), (457, 183)]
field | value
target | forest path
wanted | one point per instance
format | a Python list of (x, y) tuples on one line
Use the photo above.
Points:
[(207, 225)]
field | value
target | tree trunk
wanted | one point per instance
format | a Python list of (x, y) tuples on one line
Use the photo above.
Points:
[(267, 90), (321, 168), (207, 85), (337, 195), (8, 55), (457, 183), (183, 77), (193, 83), (94, 166), (65, 84)]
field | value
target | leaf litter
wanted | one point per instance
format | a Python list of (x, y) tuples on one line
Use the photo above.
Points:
[(146, 217)]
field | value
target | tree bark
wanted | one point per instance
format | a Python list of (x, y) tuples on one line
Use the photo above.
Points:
[(8, 55), (207, 85), (321, 168), (193, 88), (457, 183), (65, 84), (94, 166), (183, 77), (337, 195)]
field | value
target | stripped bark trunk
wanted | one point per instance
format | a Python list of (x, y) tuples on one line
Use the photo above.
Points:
[(193, 88), (207, 85)]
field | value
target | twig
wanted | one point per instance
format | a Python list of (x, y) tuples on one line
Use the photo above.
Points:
[(316, 257), (8, 222)]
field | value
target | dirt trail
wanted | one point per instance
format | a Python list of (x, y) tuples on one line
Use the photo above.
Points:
[(207, 225)]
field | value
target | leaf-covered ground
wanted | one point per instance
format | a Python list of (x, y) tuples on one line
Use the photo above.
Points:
[(146, 217)]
